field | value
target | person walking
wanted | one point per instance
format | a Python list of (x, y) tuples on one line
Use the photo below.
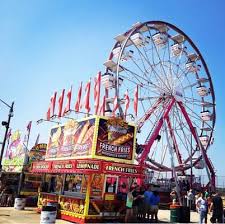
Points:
[(140, 204), (190, 199), (136, 195), (129, 206), (154, 202), (147, 204), (202, 208), (216, 208)]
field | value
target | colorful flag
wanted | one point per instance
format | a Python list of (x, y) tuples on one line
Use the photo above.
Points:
[(87, 96), (115, 105), (29, 126), (127, 103), (53, 100), (136, 101), (77, 104), (60, 103), (97, 88), (67, 108), (102, 108)]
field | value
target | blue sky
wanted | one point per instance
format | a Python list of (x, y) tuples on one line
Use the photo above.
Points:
[(49, 45)]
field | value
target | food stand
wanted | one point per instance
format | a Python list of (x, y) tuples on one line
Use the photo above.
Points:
[(13, 162), (89, 168), (16, 162), (31, 182)]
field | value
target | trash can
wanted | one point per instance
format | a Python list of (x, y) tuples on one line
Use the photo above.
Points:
[(185, 214), (54, 204), (175, 213), (20, 203), (48, 215)]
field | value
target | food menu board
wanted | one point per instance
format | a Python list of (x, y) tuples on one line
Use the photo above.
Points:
[(14, 157), (115, 139), (73, 140)]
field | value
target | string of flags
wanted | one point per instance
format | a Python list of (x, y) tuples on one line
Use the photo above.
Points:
[(84, 103)]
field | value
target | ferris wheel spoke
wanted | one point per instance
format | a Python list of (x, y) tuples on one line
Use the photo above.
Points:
[(181, 130), (191, 85), (151, 111), (143, 58), (136, 64), (136, 76), (152, 67), (143, 86), (188, 142), (185, 140), (158, 114), (192, 103), (174, 141), (197, 117), (163, 149), (160, 62)]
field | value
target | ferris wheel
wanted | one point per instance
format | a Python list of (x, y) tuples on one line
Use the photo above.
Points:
[(176, 101)]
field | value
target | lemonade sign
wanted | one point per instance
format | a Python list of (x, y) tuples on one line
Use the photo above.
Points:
[(14, 155)]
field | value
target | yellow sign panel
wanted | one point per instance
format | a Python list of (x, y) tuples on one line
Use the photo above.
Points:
[(109, 197), (115, 140), (111, 139)]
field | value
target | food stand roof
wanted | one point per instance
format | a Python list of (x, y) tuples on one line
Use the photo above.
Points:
[(87, 167)]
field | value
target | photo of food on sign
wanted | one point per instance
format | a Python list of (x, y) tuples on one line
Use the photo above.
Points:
[(55, 142), (115, 139), (73, 139), (97, 184), (83, 138)]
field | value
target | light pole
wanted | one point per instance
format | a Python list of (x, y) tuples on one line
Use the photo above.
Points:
[(6, 124)]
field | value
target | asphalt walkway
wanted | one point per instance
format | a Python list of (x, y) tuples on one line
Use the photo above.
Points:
[(30, 216)]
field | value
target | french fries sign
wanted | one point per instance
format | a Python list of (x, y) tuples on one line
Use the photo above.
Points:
[(115, 139), (93, 137)]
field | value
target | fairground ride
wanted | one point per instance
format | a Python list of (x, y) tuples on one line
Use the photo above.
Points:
[(176, 101)]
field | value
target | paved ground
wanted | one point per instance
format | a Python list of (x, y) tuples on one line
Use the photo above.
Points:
[(29, 216)]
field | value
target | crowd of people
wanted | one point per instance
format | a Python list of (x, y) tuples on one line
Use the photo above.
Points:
[(142, 204), (204, 203), (210, 204)]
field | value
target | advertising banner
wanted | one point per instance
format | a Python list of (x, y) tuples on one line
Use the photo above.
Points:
[(74, 139), (115, 139), (42, 166), (14, 156), (117, 168)]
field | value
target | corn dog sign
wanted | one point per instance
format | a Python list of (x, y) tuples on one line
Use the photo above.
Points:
[(115, 139)]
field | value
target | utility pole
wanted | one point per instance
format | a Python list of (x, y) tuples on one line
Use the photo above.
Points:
[(6, 124)]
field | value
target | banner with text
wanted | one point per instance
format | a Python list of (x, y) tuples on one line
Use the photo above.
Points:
[(115, 139)]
